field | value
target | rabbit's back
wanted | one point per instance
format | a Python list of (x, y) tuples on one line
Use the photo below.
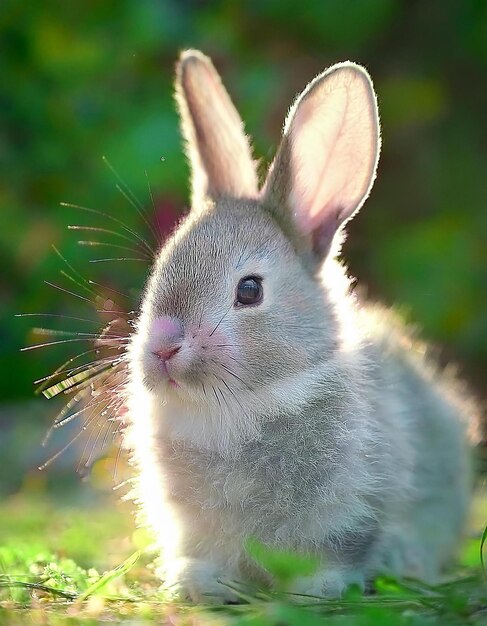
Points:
[(440, 424)]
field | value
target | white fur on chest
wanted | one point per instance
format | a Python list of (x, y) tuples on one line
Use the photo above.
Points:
[(222, 423)]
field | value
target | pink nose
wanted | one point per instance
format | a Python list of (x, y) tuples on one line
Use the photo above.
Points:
[(167, 353)]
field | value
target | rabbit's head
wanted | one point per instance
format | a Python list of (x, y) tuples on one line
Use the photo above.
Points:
[(235, 304)]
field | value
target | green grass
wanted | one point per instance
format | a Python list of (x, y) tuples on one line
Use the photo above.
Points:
[(87, 563)]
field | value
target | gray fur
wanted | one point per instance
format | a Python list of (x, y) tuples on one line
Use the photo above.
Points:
[(309, 421)]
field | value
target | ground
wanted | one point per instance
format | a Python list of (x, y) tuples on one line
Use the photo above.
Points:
[(85, 562)]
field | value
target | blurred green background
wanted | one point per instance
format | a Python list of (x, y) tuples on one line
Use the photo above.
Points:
[(86, 79)]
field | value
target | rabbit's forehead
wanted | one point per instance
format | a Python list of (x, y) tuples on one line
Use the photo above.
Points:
[(223, 242)]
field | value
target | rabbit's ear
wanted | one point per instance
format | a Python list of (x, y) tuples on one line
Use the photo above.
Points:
[(217, 147), (325, 166)]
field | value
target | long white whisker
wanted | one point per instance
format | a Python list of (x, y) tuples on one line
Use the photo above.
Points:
[(112, 219)]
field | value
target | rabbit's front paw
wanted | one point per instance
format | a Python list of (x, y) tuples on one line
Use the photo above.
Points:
[(202, 582), (329, 583)]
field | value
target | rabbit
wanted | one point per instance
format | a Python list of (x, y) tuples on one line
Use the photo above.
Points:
[(264, 399)]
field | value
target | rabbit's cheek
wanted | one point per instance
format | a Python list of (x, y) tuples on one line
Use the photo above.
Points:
[(208, 351)]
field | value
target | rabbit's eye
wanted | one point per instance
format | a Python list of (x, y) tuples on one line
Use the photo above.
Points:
[(249, 291)]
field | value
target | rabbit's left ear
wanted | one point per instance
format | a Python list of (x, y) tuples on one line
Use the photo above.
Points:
[(326, 163), (217, 147)]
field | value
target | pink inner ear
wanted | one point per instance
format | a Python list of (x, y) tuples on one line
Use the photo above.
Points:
[(334, 148)]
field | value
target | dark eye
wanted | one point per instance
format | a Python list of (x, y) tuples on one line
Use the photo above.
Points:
[(249, 291)]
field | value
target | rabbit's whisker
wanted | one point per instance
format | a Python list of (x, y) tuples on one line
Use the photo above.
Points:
[(112, 219), (233, 374), (73, 333), (129, 195), (117, 259), (93, 244), (71, 293), (71, 371), (58, 315), (124, 295), (54, 343), (221, 320), (106, 231), (157, 234)]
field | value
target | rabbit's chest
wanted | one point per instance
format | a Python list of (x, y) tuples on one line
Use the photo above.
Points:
[(207, 483), (258, 477)]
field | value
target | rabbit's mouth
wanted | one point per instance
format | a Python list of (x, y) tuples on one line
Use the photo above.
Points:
[(165, 366)]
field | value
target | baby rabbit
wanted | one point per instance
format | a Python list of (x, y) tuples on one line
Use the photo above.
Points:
[(264, 401)]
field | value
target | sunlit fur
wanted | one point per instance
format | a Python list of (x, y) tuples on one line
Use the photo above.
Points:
[(317, 433), (314, 424)]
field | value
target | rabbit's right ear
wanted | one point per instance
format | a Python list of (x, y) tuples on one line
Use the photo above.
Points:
[(217, 147), (326, 163)]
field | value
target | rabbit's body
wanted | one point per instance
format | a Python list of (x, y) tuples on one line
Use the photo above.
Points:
[(301, 419)]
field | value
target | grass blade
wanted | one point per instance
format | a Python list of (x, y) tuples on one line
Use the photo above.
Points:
[(109, 576)]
